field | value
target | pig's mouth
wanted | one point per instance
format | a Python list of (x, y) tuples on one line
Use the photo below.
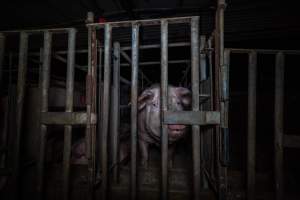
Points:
[(176, 131)]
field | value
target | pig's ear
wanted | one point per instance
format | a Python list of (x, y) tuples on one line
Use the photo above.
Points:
[(145, 97), (185, 95)]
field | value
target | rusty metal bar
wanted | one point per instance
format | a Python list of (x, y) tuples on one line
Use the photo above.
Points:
[(115, 113), (69, 109), (147, 22), (195, 106), (105, 108), (2, 47), (66, 118), (38, 31), (278, 124), (44, 108), (251, 137), (291, 141), (164, 108), (134, 96), (192, 117), (22, 72)]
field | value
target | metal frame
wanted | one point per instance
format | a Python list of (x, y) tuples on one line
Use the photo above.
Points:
[(195, 117), (281, 140)]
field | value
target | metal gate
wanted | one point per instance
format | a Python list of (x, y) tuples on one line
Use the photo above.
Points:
[(201, 91)]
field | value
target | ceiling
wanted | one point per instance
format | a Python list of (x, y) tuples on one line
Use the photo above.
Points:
[(267, 22)]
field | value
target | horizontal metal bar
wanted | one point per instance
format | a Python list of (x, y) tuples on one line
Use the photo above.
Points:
[(154, 46), (147, 22), (291, 141), (158, 63), (192, 117), (54, 30), (66, 118), (262, 51)]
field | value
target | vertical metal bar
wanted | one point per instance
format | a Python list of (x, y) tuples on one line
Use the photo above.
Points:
[(91, 108), (105, 107), (69, 108), (278, 124), (203, 73), (251, 137), (100, 99), (2, 46), (115, 114), (134, 95), (44, 108), (219, 61), (22, 72), (164, 108), (195, 105)]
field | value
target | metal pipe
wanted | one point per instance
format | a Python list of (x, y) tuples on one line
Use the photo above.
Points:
[(44, 108), (195, 106), (69, 108), (22, 72), (105, 108), (124, 54), (2, 46), (134, 112), (115, 112), (278, 124), (203, 73), (251, 137), (164, 108), (158, 63), (264, 51), (147, 22), (100, 99)]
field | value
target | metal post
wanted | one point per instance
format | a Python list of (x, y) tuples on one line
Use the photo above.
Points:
[(44, 108), (2, 46), (22, 72), (115, 114), (134, 95), (164, 108), (69, 108), (251, 138), (278, 124), (195, 106), (105, 107), (203, 72)]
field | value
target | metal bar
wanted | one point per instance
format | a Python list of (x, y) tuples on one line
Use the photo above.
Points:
[(124, 54), (115, 114), (251, 137), (37, 31), (69, 109), (100, 99), (105, 108), (164, 108), (291, 141), (91, 105), (147, 22), (203, 73), (2, 50), (192, 117), (66, 118), (153, 46), (44, 108), (195, 106), (264, 51), (134, 112), (158, 63), (60, 58), (278, 124), (22, 72)]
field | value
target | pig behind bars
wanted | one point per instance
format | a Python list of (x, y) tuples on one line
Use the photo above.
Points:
[(149, 123)]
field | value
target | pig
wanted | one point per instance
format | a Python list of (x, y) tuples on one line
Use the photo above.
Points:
[(149, 123)]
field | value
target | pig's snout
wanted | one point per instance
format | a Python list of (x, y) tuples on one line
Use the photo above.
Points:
[(176, 130)]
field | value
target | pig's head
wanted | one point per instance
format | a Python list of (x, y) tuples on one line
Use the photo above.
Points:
[(179, 98)]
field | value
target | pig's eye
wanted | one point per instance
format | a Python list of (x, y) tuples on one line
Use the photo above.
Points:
[(154, 104), (178, 103)]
